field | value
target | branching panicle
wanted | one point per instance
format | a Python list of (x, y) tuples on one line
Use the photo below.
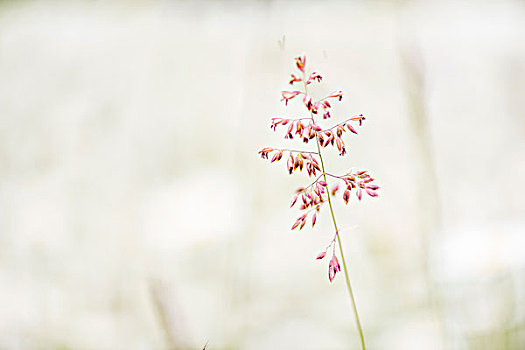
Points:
[(313, 196)]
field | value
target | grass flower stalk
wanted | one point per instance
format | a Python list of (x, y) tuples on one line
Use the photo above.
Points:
[(314, 196)]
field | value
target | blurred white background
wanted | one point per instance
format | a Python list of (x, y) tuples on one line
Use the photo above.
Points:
[(135, 212)]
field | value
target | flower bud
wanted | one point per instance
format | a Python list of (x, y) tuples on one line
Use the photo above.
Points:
[(301, 63), (371, 193), (294, 79), (351, 128), (321, 255), (337, 94), (346, 196)]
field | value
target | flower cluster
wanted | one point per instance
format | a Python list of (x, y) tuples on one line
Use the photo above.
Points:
[(301, 159), (311, 105), (313, 196), (359, 181), (310, 130), (333, 265)]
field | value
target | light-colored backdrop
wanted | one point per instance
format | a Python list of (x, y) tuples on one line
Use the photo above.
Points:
[(136, 214)]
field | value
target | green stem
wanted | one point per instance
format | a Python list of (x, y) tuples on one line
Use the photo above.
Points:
[(348, 285), (345, 269)]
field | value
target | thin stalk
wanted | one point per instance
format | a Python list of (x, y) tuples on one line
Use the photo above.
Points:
[(295, 151), (345, 269), (347, 278)]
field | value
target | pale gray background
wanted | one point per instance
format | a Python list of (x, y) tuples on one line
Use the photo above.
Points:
[(136, 214)]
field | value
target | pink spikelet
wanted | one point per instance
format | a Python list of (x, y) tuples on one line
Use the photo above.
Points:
[(312, 197)]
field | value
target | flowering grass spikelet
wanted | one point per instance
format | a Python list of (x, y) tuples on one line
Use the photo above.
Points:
[(316, 195)]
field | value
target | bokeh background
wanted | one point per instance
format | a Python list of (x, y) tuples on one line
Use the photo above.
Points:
[(135, 212)]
